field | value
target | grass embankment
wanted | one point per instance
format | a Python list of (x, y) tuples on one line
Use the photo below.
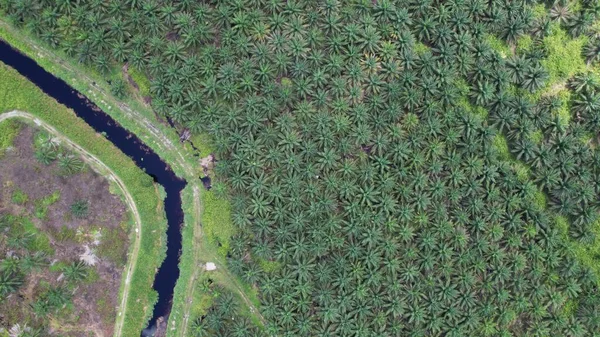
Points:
[(17, 93)]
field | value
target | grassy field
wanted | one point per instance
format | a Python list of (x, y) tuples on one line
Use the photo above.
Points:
[(17, 93)]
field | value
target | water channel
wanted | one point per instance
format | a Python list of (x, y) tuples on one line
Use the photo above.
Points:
[(133, 147)]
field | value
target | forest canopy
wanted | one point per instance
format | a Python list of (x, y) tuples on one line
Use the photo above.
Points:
[(395, 168)]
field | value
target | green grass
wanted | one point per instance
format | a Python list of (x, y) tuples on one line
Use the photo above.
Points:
[(203, 141), (8, 132), (216, 212), (501, 145), (420, 48), (269, 266), (111, 245), (540, 199), (536, 136), (564, 55), (523, 172), (498, 45), (141, 80), (19, 197), (41, 241), (92, 276), (58, 266), (539, 11), (216, 221), (587, 254), (16, 92), (64, 234), (41, 205), (524, 44), (564, 112)]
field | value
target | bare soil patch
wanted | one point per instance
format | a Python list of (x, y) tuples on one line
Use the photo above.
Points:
[(64, 239), (20, 169)]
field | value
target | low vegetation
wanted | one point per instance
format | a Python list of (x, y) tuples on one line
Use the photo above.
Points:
[(8, 131), (219, 318)]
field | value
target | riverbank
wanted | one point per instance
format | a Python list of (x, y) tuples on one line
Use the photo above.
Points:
[(198, 247), (147, 249)]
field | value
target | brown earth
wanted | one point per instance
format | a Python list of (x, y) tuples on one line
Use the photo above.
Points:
[(21, 169), (94, 303)]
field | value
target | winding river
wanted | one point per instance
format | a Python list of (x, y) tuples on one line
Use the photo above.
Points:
[(133, 147)]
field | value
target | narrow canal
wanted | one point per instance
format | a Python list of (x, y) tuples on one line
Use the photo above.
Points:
[(133, 147)]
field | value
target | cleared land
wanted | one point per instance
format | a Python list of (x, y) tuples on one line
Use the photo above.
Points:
[(69, 261)]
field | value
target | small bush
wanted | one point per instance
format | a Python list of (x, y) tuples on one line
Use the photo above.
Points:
[(41, 205), (117, 88), (65, 234), (80, 209), (69, 163), (19, 197), (46, 155)]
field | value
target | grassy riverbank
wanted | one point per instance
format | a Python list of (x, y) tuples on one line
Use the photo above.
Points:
[(17, 93)]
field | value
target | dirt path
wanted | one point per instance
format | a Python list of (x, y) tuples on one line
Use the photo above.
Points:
[(107, 172)]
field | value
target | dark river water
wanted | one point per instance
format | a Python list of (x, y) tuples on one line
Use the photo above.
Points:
[(132, 146)]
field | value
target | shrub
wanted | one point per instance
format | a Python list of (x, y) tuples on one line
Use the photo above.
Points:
[(117, 88), (46, 155), (69, 163), (80, 209), (19, 197)]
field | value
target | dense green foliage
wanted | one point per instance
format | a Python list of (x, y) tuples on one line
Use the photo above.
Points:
[(80, 209), (222, 317), (364, 146)]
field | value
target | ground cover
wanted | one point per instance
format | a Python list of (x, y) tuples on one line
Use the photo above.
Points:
[(147, 248), (64, 262)]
